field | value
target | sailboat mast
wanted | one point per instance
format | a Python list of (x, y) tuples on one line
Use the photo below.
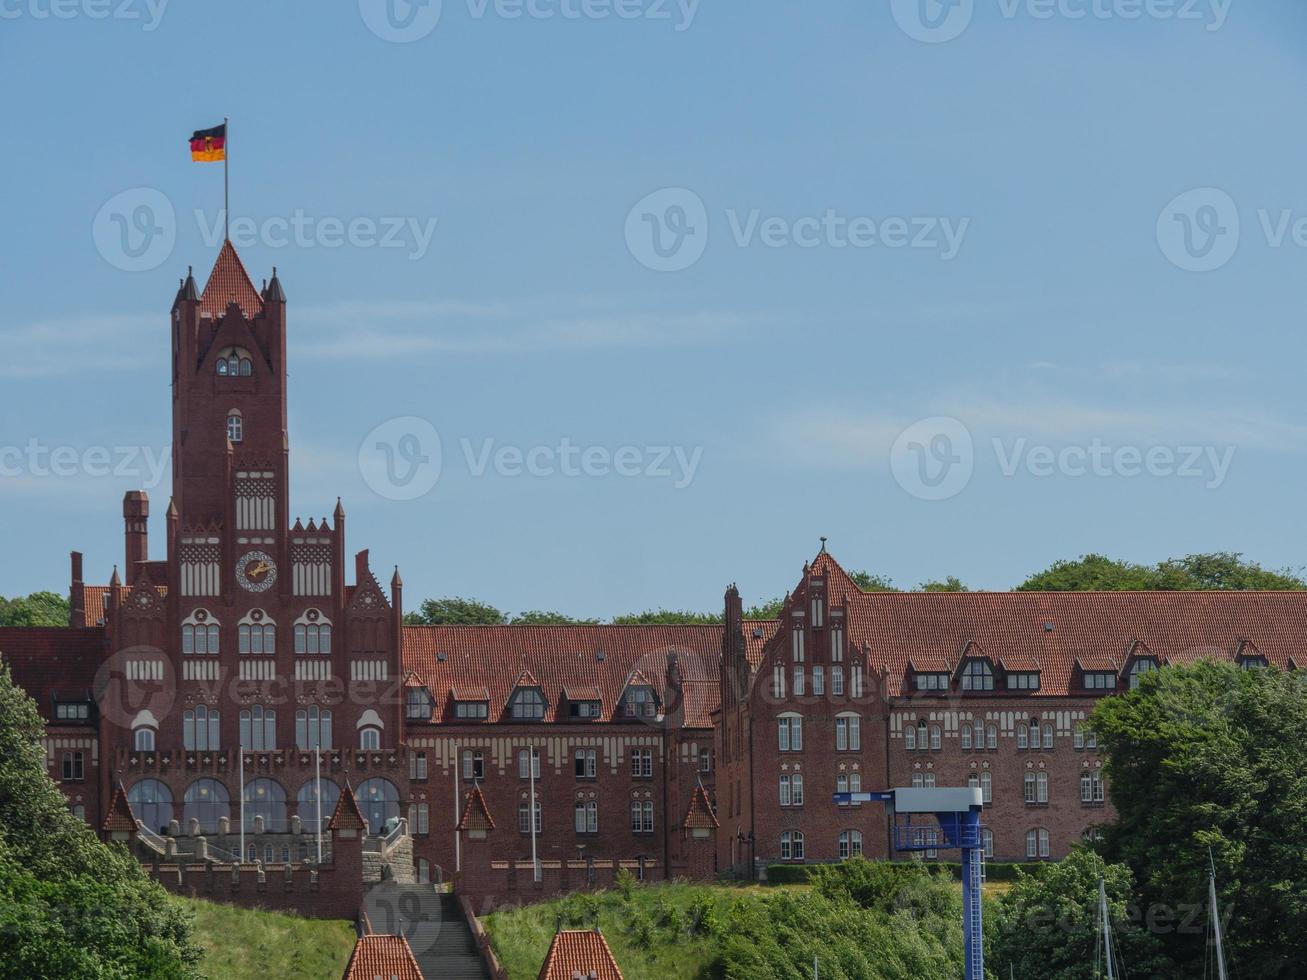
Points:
[(1216, 919), (1107, 929)]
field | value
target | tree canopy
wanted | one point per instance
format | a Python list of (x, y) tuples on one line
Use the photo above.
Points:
[(1046, 925), (1209, 757), (1222, 570), (37, 609), (71, 906)]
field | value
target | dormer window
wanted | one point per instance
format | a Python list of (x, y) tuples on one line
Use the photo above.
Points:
[(1023, 680), (639, 702), (1252, 661), (932, 682), (977, 675), (1141, 666), (234, 362), (528, 704), (1100, 680), (72, 712), (583, 710), (419, 704), (235, 426)]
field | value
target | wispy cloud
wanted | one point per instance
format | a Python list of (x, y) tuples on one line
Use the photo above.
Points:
[(71, 345)]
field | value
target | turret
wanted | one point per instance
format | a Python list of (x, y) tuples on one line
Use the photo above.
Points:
[(76, 593)]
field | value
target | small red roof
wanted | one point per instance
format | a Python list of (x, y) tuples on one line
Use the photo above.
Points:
[(120, 818), (476, 815), (347, 815), (385, 957), (580, 953), (229, 283), (700, 815)]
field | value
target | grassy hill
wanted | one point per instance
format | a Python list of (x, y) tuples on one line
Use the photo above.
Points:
[(248, 944)]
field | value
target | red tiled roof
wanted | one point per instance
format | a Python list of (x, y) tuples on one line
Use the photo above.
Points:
[(229, 283), (476, 814), (929, 665), (1099, 662), (581, 953), (384, 957), (120, 819), (757, 633), (46, 660), (700, 815), (94, 597), (582, 693), (1018, 662), (347, 815), (559, 657), (469, 694), (1089, 627)]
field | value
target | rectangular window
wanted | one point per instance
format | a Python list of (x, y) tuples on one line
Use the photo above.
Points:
[(423, 818), (528, 764), (705, 761), (798, 644), (837, 681), (417, 765), (836, 645), (471, 709), (818, 611), (785, 791), (790, 731), (642, 763), (524, 818), (1100, 680), (818, 680), (585, 764), (857, 681), (474, 765), (1023, 681), (778, 682), (73, 768), (798, 682), (848, 734)]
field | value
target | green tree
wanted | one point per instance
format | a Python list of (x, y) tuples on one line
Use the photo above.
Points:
[(1210, 756), (69, 905), (37, 609), (538, 617), (1222, 570), (950, 584), (766, 610), (668, 617), (1046, 926), (455, 612), (872, 583)]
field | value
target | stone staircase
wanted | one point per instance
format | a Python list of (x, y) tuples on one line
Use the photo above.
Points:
[(434, 925)]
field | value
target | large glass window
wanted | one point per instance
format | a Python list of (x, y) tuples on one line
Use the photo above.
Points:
[(977, 675), (379, 800), (790, 733), (419, 704), (207, 801), (259, 728), (307, 802), (200, 729), (267, 799), (151, 801), (528, 705), (313, 728)]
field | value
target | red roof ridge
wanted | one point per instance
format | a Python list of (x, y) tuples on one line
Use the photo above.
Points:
[(348, 816), (476, 814), (579, 952), (700, 815), (376, 955), (120, 818), (229, 283)]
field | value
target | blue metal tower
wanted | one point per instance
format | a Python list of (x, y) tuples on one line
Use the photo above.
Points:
[(953, 824)]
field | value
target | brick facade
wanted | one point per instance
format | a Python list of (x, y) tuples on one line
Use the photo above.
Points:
[(682, 771)]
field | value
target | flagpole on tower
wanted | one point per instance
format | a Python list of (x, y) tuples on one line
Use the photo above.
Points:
[(226, 186)]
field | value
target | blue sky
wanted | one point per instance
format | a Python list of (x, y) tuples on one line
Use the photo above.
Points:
[(1062, 322)]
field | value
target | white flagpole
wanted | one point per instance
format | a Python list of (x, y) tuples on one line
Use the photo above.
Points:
[(226, 186), (531, 815), (241, 765), (317, 779)]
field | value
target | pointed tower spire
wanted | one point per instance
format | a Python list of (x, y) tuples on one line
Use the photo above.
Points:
[(189, 293), (229, 283), (274, 292)]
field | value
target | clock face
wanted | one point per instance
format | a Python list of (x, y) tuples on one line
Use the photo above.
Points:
[(256, 572)]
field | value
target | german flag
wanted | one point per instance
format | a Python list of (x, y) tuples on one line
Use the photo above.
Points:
[(209, 145)]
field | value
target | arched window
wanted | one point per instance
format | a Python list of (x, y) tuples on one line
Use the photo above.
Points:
[(1141, 666), (642, 817), (1048, 735), (1023, 736), (587, 816), (910, 737), (200, 634), (151, 801), (792, 845), (790, 732), (1034, 735), (965, 734), (987, 840), (370, 739), (306, 802), (977, 675), (986, 787), (259, 728), (234, 362), (200, 729), (379, 800), (235, 426), (850, 844), (991, 737), (257, 635), (528, 763), (207, 801), (935, 737), (313, 634), (143, 739), (265, 798), (848, 733), (528, 704), (1037, 844), (313, 727)]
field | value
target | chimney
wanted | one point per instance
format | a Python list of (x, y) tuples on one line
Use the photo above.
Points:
[(77, 593), (136, 519)]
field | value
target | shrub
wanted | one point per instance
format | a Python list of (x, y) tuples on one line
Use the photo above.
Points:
[(702, 916), (625, 884), (788, 874)]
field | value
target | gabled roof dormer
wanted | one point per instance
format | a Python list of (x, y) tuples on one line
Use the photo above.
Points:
[(975, 671), (639, 699), (476, 820), (1249, 656), (528, 701), (1140, 660)]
